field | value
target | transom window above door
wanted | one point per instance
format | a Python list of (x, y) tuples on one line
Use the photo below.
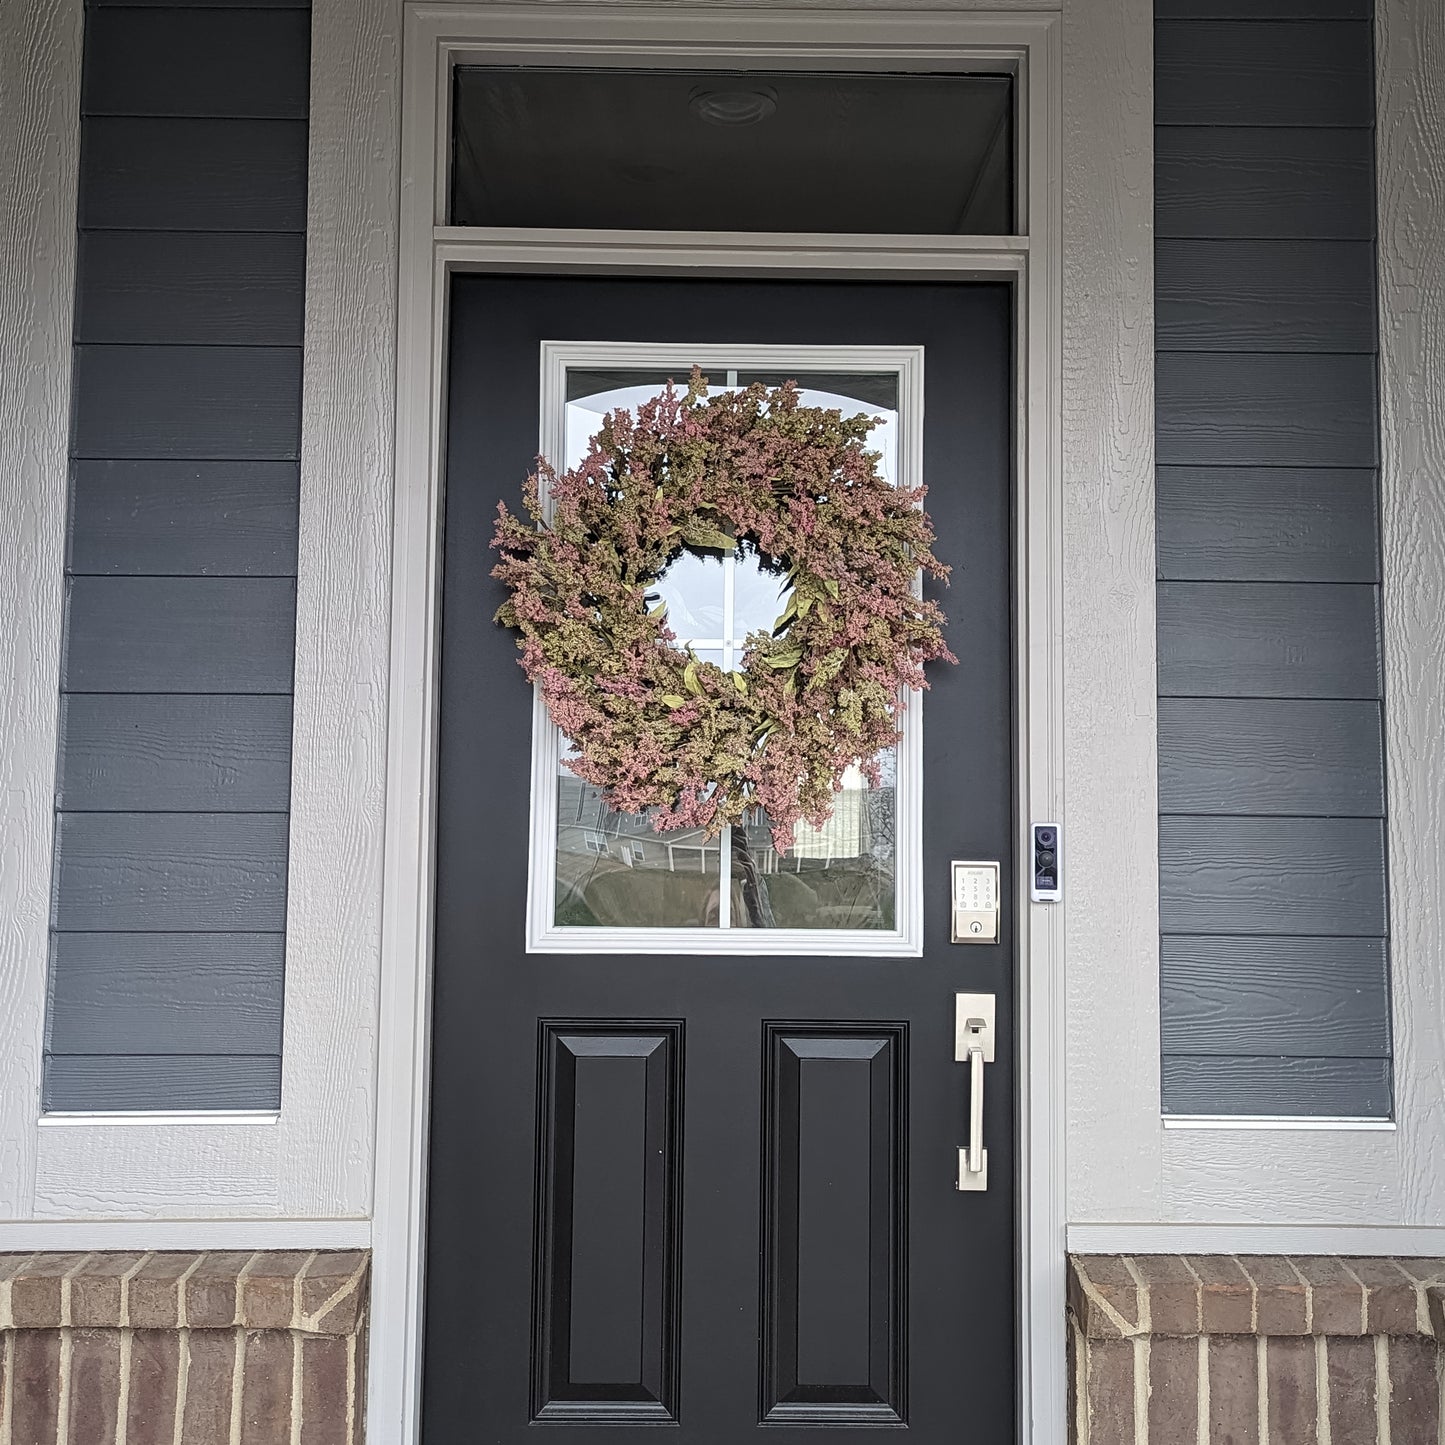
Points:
[(705, 150), (607, 881)]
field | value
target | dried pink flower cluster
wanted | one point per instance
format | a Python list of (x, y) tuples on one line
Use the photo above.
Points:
[(655, 726)]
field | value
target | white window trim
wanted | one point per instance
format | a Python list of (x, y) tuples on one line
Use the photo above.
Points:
[(903, 941), (437, 35)]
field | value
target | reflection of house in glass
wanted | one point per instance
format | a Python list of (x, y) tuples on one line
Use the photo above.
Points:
[(613, 870)]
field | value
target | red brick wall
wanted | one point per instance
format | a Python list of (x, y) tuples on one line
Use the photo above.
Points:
[(1250, 1350), (182, 1349)]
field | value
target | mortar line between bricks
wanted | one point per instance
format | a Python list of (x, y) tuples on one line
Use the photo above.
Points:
[(7, 1285), (1253, 1307), (183, 1378), (296, 1282), (7, 1388), (240, 1296), (1261, 1370), (295, 1386), (351, 1347), (1081, 1384), (62, 1397), (183, 1316), (314, 1319), (238, 1386), (1324, 1433), (125, 1280), (1309, 1295), (1440, 1397), (1144, 1304), (1422, 1299), (1364, 1296), (1201, 1400), (65, 1279), (1141, 1390), (1383, 1389), (122, 1397), (1126, 1330), (1198, 1294)]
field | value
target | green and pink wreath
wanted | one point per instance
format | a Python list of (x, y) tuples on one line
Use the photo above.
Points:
[(752, 471)]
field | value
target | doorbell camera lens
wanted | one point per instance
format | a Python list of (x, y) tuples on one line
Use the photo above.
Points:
[(1047, 886)]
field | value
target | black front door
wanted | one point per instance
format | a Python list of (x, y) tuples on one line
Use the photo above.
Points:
[(714, 1191)]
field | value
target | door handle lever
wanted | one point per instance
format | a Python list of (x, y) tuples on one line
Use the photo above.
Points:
[(974, 1045)]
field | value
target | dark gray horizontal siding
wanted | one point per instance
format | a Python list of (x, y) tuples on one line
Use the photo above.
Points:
[(1228, 409), (1268, 524), (1274, 961), (1268, 639), (1270, 757), (1277, 1086), (205, 62), (171, 873), (175, 753), (1248, 9), (1263, 73), (173, 784), (1233, 182), (143, 1084), (1295, 997), (1272, 296), (199, 288), (223, 403), (180, 634), (167, 993), (1290, 876), (162, 518), (200, 4), (140, 173)]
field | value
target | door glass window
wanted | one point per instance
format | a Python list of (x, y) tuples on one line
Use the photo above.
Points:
[(708, 150), (609, 871)]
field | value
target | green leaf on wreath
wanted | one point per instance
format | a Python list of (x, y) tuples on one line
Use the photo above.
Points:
[(689, 677), (711, 539), (673, 700), (740, 682), (791, 658)]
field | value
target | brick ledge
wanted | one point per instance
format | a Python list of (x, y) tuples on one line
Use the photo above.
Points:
[(1117, 1296), (320, 1292)]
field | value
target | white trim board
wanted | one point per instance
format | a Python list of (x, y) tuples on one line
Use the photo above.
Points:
[(314, 1157), (1125, 1162), (1362, 1241), (78, 1235), (428, 253)]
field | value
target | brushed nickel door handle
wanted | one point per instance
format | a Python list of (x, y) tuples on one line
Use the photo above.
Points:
[(974, 1045)]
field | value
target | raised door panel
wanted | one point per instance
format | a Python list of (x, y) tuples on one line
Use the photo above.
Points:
[(834, 1225), (605, 1293)]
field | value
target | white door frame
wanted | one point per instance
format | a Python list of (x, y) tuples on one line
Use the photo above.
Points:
[(436, 35)]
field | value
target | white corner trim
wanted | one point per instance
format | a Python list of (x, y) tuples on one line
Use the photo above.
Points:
[(1410, 176), (86, 1235), (677, 34), (40, 49), (1115, 1142), (1355, 1240)]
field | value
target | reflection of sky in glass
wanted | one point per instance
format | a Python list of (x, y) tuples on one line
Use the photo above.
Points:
[(712, 602)]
